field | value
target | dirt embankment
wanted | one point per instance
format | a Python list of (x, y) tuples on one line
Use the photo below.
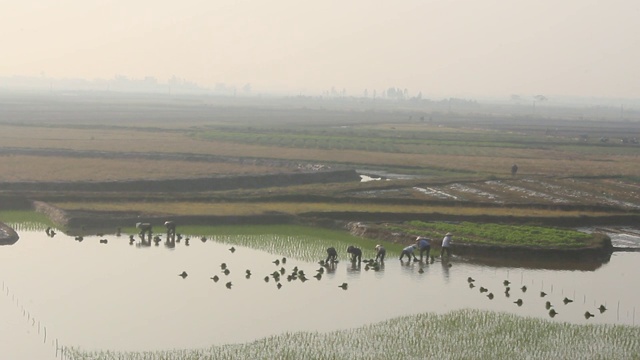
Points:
[(379, 232), (217, 183), (8, 236)]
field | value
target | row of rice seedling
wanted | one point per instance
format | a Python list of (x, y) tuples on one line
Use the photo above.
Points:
[(299, 242), (463, 334), (22, 220)]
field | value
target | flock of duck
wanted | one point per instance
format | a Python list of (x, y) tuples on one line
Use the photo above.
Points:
[(277, 276), (295, 274), (548, 305)]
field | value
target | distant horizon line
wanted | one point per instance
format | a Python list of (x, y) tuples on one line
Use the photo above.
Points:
[(152, 85)]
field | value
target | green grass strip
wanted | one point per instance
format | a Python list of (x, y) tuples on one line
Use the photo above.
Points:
[(463, 334)]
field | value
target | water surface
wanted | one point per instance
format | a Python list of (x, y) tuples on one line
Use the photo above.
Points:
[(119, 296)]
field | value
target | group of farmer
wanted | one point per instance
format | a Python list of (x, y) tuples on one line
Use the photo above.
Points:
[(422, 243)]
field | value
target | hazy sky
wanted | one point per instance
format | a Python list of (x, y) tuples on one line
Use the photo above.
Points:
[(439, 47)]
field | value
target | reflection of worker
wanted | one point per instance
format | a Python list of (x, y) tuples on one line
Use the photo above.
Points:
[(408, 251), (356, 254), (381, 252), (144, 228), (424, 244), (446, 245), (332, 255), (514, 170)]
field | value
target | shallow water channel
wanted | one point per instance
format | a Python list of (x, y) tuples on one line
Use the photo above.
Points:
[(60, 292)]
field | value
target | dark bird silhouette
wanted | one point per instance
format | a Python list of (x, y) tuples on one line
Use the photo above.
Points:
[(318, 276), (276, 261), (343, 286), (483, 289), (543, 294), (302, 278), (567, 300), (524, 288), (588, 315), (506, 282), (547, 305), (490, 296), (519, 302), (602, 309), (228, 285), (232, 249), (183, 274), (470, 279), (320, 270), (279, 286), (215, 278), (553, 313)]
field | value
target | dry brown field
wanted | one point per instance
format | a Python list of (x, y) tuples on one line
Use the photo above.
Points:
[(464, 157)]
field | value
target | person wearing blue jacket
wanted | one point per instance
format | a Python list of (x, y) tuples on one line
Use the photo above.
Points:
[(424, 244)]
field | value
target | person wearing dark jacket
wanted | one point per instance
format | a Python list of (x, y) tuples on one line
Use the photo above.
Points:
[(332, 255), (381, 252), (356, 254)]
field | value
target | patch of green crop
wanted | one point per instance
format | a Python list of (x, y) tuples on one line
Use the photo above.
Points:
[(498, 234), (25, 220), (463, 334)]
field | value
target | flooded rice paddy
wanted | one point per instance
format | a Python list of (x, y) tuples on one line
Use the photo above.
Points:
[(112, 295)]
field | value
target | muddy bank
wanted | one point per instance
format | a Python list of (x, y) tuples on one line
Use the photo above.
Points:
[(579, 221), (8, 236), (216, 183), (85, 222)]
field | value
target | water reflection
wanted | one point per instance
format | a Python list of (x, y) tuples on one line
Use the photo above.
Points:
[(111, 276)]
